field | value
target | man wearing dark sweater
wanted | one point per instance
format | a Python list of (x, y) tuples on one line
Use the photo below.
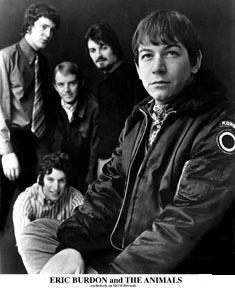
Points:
[(117, 90)]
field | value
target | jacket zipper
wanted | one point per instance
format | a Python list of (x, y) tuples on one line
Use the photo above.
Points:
[(127, 184), (167, 116)]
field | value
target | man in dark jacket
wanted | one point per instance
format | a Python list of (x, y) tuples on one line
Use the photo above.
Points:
[(164, 203), (74, 124)]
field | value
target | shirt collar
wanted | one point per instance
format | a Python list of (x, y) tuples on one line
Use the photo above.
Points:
[(78, 108), (154, 109), (70, 108), (27, 50)]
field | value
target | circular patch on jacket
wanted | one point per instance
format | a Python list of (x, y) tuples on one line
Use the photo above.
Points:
[(226, 141)]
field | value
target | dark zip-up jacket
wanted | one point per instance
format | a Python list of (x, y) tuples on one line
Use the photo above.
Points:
[(77, 138), (159, 208)]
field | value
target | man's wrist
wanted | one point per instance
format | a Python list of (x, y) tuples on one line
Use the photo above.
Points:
[(6, 148)]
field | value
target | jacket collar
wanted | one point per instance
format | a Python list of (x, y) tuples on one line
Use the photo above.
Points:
[(80, 109)]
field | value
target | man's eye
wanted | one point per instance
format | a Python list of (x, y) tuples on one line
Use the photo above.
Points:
[(60, 85), (172, 53), (104, 47), (145, 56), (92, 50)]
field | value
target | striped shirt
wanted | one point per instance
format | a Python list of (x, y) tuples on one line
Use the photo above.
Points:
[(32, 204)]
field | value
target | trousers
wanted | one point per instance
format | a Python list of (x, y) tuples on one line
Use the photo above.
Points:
[(26, 147), (37, 244)]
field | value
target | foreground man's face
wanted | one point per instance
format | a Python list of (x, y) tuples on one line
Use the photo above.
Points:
[(164, 70)]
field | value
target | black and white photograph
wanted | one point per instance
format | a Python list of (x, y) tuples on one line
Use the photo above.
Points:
[(117, 143)]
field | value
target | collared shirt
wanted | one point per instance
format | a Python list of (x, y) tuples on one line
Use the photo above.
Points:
[(158, 114), (17, 83), (32, 204), (69, 109)]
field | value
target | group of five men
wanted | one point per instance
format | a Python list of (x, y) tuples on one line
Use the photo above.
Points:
[(163, 200)]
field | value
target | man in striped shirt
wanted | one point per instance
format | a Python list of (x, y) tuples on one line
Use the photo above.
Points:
[(51, 197)]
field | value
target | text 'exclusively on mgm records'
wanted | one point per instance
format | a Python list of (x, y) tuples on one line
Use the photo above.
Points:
[(114, 281)]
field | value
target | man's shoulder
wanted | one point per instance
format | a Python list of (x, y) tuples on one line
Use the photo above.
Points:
[(29, 194), (90, 98), (75, 193), (125, 69), (9, 51), (72, 190), (32, 192)]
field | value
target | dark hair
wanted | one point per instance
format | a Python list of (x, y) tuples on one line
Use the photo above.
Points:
[(166, 27), (37, 10), (103, 33), (56, 160), (67, 68)]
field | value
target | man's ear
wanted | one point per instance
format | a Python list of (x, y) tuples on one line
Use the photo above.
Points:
[(81, 83), (29, 29), (137, 69), (54, 85), (197, 66)]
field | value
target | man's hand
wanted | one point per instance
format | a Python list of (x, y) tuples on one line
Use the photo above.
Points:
[(11, 166), (67, 261)]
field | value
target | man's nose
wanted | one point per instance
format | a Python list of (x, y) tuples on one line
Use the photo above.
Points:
[(159, 65), (55, 185), (67, 87), (98, 53), (48, 32)]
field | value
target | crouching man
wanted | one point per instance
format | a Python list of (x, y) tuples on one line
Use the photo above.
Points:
[(50, 198)]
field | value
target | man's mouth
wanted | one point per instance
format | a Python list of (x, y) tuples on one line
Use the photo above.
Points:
[(54, 193), (159, 83), (100, 60)]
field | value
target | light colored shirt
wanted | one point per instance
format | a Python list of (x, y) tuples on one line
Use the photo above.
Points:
[(32, 204), (69, 109), (17, 84)]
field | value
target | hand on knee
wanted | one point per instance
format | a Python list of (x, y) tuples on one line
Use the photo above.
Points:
[(67, 261)]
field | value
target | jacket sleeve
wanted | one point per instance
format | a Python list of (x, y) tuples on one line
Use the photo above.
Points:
[(90, 226), (5, 94), (205, 191)]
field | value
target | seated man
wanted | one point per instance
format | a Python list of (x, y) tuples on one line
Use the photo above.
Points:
[(51, 197), (163, 203), (74, 123)]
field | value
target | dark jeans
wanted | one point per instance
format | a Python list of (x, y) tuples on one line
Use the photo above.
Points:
[(28, 150)]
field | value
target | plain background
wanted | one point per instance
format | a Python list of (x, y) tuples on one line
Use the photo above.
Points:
[(215, 20)]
